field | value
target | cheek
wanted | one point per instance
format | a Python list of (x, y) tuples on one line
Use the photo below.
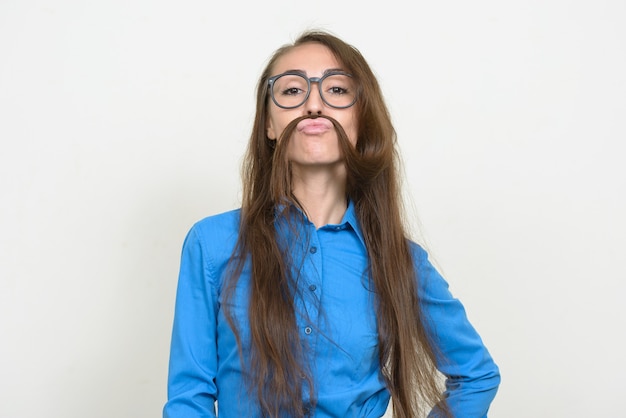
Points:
[(352, 130), (277, 122), (271, 129), (353, 136)]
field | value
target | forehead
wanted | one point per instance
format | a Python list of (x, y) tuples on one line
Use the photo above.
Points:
[(312, 58)]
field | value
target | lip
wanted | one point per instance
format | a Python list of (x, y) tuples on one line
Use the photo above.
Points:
[(314, 126)]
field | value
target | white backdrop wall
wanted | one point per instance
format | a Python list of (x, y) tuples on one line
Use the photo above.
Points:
[(123, 122)]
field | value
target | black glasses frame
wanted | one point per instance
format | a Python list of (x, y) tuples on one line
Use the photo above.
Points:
[(309, 80)]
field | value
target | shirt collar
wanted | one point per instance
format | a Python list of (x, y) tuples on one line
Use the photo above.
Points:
[(349, 219)]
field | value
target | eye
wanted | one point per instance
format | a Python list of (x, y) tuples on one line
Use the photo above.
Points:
[(291, 91), (290, 85), (338, 85), (337, 90)]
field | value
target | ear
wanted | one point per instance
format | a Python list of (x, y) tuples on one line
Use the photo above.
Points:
[(271, 134)]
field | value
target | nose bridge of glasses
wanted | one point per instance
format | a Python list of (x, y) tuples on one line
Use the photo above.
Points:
[(313, 96)]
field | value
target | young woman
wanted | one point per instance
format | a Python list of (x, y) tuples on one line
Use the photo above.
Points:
[(310, 301)]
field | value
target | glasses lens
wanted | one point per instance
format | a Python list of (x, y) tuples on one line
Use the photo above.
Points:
[(339, 90), (290, 90)]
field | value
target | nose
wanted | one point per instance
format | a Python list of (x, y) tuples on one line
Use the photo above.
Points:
[(314, 103)]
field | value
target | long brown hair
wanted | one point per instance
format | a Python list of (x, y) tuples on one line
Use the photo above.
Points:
[(277, 373)]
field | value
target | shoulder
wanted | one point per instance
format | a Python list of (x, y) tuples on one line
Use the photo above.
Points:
[(418, 253), (222, 224), (430, 281), (216, 236)]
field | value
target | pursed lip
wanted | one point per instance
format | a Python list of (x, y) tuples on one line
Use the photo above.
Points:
[(314, 126)]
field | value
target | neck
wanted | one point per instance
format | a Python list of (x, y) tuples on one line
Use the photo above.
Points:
[(322, 194)]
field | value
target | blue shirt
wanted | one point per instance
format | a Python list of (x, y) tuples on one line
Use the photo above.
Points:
[(336, 317)]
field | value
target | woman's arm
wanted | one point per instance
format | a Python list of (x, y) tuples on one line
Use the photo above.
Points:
[(193, 356), (472, 377)]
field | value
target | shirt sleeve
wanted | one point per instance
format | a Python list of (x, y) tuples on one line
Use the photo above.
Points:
[(472, 377), (191, 388)]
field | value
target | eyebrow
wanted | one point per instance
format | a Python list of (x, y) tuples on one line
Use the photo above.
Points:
[(329, 70)]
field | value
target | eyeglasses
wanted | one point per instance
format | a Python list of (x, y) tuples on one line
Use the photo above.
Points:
[(291, 89)]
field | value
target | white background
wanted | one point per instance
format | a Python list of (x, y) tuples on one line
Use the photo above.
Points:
[(123, 122)]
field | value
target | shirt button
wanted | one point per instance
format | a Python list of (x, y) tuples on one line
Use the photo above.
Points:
[(312, 288), (308, 330), (313, 250)]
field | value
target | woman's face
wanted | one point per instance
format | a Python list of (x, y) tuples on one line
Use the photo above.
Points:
[(315, 141)]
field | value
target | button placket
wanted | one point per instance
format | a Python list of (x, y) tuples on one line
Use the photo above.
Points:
[(312, 269)]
